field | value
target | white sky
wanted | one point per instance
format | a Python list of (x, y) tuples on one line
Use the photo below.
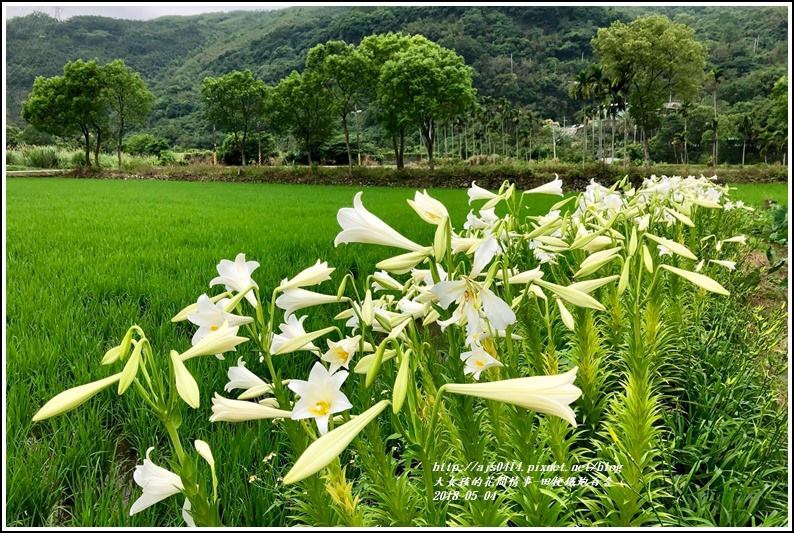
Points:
[(135, 12)]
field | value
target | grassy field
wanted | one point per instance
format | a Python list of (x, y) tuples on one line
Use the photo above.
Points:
[(87, 259)]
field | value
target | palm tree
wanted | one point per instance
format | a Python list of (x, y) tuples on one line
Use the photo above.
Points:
[(747, 131), (716, 75), (580, 90)]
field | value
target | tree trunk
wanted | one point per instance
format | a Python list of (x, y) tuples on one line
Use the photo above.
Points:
[(242, 145), (584, 148), (686, 146), (612, 149), (645, 151), (259, 149), (87, 136), (396, 150), (119, 141), (428, 134), (347, 146), (214, 147), (402, 149), (309, 150), (97, 146), (744, 147), (625, 141)]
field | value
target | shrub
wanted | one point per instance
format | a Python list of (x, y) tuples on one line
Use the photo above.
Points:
[(42, 157), (145, 144)]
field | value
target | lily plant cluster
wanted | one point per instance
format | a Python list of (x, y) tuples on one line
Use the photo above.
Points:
[(434, 322)]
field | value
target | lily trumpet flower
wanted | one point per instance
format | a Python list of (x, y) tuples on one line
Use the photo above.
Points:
[(553, 187), (236, 276), (340, 353), (478, 360), (473, 298), (293, 337), (223, 339), (292, 300), (228, 410), (242, 378), (545, 394), (157, 483), (314, 275), (476, 192), (320, 396), (428, 208), (359, 225), (210, 316)]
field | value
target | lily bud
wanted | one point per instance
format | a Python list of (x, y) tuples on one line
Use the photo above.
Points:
[(131, 368), (321, 452), (186, 384), (401, 383), (73, 398)]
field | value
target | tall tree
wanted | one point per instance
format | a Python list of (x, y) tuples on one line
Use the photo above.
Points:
[(235, 103), (66, 104), (300, 105), (430, 84), (344, 71), (658, 58), (129, 100), (379, 49)]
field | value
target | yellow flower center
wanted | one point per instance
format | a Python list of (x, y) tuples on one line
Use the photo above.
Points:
[(479, 363), (320, 408), (341, 354)]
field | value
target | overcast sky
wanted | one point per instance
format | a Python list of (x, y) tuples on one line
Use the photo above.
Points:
[(134, 12)]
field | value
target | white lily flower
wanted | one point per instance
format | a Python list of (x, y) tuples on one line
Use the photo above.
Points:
[(228, 410), (223, 339), (359, 225), (476, 192), (210, 316), (292, 329), (340, 353), (544, 394), (553, 187), (242, 378), (428, 208), (477, 360), (382, 280), (487, 219), (157, 483), (292, 300), (314, 275), (320, 396), (236, 276), (471, 299), (484, 253)]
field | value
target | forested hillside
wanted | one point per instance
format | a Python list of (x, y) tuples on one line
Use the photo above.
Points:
[(527, 55)]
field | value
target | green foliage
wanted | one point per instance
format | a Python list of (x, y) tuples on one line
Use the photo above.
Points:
[(657, 59), (145, 144), (300, 106), (235, 103), (128, 99), (527, 55)]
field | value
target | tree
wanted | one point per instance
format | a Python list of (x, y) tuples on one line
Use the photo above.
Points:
[(300, 105), (129, 100), (429, 84), (379, 49), (658, 58), (235, 103), (344, 71), (63, 105)]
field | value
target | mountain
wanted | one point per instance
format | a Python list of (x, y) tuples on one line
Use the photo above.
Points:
[(525, 54)]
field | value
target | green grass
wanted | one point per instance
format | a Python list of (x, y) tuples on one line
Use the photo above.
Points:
[(757, 193), (87, 259)]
